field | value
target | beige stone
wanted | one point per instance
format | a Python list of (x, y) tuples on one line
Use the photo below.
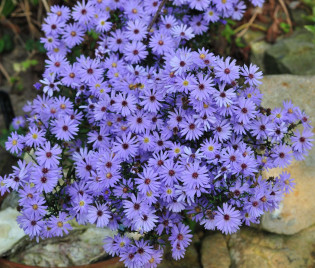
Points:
[(297, 211), (214, 252), (250, 248)]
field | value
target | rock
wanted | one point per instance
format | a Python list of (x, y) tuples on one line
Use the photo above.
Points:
[(292, 55), (82, 246), (10, 201), (257, 55), (191, 259), (297, 211), (10, 232), (252, 248), (255, 39), (214, 252)]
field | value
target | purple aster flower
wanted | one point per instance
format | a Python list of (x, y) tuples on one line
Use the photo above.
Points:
[(3, 188), (228, 220), (180, 237), (35, 206), (190, 128), (288, 183), (59, 225), (135, 207), (31, 224), (196, 176), (245, 111), (47, 156), (65, 128), (282, 155), (227, 71), (302, 142), (135, 52), (252, 75), (126, 146), (15, 143), (99, 214)]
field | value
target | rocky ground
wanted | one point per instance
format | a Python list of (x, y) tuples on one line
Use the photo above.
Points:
[(285, 238)]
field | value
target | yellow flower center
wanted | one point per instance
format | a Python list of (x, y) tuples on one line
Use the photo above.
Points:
[(35, 206), (210, 13), (56, 49), (264, 160), (34, 136), (177, 150), (116, 74), (290, 111), (278, 115), (63, 106), (205, 105), (60, 224), (134, 11), (102, 91), (107, 9), (149, 193), (223, 1), (151, 260), (169, 191), (2, 184), (102, 23), (146, 140), (202, 56), (210, 148), (185, 83), (109, 123), (249, 95), (81, 204), (114, 64), (14, 142), (122, 244), (97, 85), (109, 175)]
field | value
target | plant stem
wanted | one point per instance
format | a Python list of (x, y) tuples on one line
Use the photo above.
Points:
[(156, 15)]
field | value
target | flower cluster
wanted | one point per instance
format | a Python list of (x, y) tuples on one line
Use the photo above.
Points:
[(138, 133)]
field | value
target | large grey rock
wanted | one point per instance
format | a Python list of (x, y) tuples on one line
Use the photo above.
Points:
[(10, 231), (251, 248), (82, 246), (292, 55), (297, 211)]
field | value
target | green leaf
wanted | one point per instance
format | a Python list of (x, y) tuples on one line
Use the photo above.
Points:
[(2, 44), (8, 8), (239, 42), (285, 27), (310, 28)]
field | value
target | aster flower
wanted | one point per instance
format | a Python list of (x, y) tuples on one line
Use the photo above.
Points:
[(31, 224), (126, 146), (282, 156), (180, 237), (190, 128), (196, 176), (59, 225), (302, 142), (48, 156), (227, 71), (65, 128), (135, 52), (15, 143), (99, 214), (125, 104), (183, 32), (246, 110), (228, 220)]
